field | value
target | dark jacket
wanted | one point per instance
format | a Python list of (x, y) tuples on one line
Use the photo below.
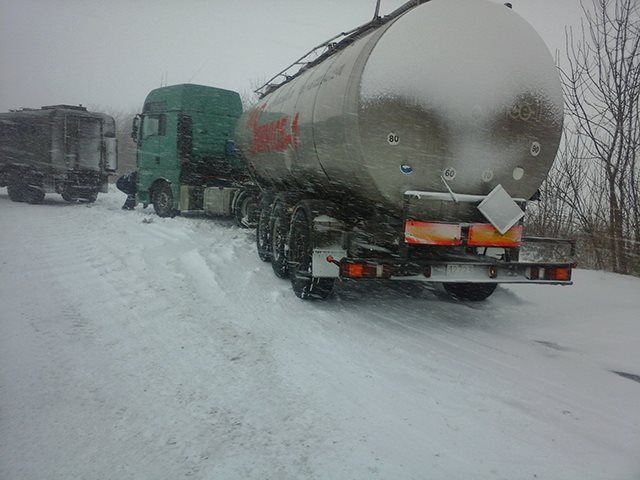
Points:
[(127, 183)]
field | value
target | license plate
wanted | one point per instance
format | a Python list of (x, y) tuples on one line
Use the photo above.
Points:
[(460, 270)]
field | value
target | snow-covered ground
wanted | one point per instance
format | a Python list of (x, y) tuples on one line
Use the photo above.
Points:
[(135, 347)]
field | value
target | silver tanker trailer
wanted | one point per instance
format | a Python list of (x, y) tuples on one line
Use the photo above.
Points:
[(407, 149)]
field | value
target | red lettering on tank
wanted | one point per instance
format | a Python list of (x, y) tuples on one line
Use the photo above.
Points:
[(294, 130), (274, 136)]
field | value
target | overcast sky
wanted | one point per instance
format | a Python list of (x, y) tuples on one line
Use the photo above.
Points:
[(112, 53)]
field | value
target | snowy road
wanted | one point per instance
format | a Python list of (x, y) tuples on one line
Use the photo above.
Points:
[(135, 347)]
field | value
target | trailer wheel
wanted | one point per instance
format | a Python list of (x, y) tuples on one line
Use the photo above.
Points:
[(304, 284), (244, 210), (91, 197), (22, 192), (475, 292), (279, 233), (16, 193), (67, 196), (263, 234), (162, 199), (31, 194)]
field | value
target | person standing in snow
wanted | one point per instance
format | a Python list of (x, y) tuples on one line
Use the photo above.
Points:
[(128, 184)]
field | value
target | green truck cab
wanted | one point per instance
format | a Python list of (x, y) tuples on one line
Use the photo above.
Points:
[(185, 155)]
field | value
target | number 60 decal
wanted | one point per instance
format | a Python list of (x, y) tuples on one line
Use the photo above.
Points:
[(449, 173)]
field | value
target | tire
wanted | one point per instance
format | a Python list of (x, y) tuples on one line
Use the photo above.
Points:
[(475, 292), (91, 197), (162, 199), (279, 234), (23, 192), (304, 285), (245, 210), (16, 193), (263, 234), (33, 195), (72, 196), (67, 196)]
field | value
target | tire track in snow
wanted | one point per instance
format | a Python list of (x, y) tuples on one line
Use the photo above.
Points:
[(186, 328), (131, 306), (465, 355)]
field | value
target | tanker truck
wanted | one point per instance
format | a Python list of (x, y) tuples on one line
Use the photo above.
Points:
[(186, 157), (408, 150), (61, 149)]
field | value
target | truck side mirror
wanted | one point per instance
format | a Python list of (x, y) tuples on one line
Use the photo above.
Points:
[(135, 127)]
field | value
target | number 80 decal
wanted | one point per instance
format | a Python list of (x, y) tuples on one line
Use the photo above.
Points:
[(393, 138)]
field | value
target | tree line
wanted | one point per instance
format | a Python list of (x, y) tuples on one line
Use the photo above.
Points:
[(593, 191)]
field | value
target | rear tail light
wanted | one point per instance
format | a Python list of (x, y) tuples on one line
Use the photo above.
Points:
[(562, 274), (349, 269), (559, 274)]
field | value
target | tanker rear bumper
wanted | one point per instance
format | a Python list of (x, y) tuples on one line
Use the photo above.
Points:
[(454, 272), (535, 273)]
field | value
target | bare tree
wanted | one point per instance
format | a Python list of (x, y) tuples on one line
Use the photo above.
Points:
[(599, 175)]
